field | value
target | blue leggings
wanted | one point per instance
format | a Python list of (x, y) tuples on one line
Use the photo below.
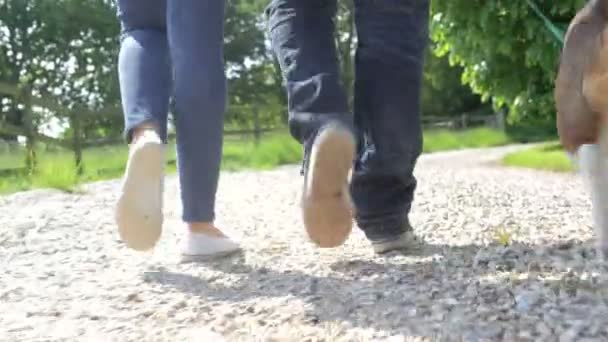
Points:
[(175, 47)]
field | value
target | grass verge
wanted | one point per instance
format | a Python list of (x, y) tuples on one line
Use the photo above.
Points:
[(444, 140), (57, 169), (549, 157)]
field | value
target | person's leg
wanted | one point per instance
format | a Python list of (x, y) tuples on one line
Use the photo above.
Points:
[(144, 76), (392, 37), (196, 30), (302, 37)]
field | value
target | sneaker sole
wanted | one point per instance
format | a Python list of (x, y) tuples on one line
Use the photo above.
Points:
[(139, 209), (186, 258), (326, 207), (406, 242), (202, 247)]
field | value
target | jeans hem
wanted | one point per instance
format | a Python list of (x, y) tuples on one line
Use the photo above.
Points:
[(198, 218), (128, 131), (385, 227)]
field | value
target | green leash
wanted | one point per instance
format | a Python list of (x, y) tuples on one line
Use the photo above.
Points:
[(558, 33)]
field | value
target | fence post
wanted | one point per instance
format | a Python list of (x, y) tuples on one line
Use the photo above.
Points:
[(257, 130), (77, 142), (500, 120), (30, 132), (463, 122)]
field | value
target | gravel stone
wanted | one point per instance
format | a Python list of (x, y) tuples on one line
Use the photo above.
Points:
[(507, 255)]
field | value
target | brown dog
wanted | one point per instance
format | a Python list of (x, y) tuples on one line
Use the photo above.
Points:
[(581, 97)]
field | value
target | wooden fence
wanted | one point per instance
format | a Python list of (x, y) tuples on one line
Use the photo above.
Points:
[(464, 121), (77, 118)]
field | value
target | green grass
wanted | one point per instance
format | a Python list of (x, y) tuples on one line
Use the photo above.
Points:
[(443, 140), (8, 160), (274, 150), (14, 183), (57, 173), (57, 169), (550, 157)]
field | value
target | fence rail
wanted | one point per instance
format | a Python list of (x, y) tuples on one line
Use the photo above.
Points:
[(464, 121), (77, 119), (78, 116)]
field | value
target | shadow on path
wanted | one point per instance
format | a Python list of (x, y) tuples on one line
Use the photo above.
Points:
[(489, 292)]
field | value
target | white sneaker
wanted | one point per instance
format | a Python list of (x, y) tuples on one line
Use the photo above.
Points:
[(200, 247), (139, 213), (406, 241), (327, 208)]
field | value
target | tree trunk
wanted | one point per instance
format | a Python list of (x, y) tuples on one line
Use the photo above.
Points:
[(77, 142), (30, 131)]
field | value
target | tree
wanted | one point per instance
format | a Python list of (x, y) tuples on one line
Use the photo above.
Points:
[(254, 81), (443, 92), (67, 50), (62, 49), (507, 54), (59, 49)]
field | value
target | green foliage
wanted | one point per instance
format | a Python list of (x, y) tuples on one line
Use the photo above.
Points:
[(60, 48), (274, 150), (57, 169), (507, 53), (532, 130), (57, 173), (67, 50), (252, 76), (443, 92), (14, 183)]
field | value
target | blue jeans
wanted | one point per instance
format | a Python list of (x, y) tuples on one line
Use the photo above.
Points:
[(175, 48), (392, 37)]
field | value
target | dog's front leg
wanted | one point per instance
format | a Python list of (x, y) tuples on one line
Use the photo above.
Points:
[(594, 166), (601, 198)]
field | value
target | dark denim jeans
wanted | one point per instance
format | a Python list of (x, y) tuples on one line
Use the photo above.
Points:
[(392, 37)]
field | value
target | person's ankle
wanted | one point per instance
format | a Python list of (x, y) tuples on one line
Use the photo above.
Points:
[(143, 130), (207, 228)]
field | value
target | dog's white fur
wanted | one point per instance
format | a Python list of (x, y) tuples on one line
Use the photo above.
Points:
[(593, 164)]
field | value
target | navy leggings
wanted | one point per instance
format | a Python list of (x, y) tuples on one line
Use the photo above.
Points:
[(175, 48)]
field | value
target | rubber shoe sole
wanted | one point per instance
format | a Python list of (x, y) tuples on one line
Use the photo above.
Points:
[(406, 241), (327, 208), (139, 208), (197, 247)]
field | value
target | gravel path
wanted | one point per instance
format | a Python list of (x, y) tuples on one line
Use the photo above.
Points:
[(66, 277)]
